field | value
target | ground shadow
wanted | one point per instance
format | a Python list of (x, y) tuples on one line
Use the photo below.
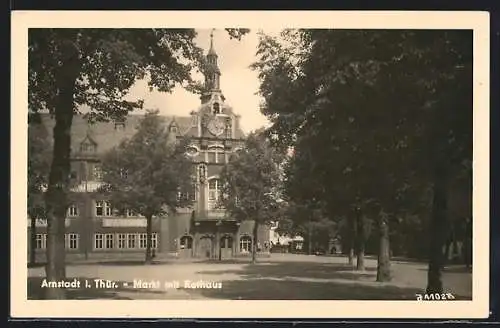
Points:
[(302, 280), (309, 270), (454, 269), (224, 261), (37, 292), (268, 289)]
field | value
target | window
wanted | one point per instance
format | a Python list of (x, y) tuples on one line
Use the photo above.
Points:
[(192, 151), (214, 192), (211, 157), (110, 241), (154, 240), (103, 208), (119, 126), (98, 241), (245, 244), (87, 147), (130, 213), (122, 240), (124, 174), (97, 172), (216, 155), (108, 209), (229, 132), (189, 195), (142, 240), (216, 108), (99, 208), (173, 128), (73, 210), (131, 240), (71, 240), (41, 241)]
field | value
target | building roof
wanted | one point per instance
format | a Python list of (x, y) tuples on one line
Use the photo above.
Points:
[(107, 135)]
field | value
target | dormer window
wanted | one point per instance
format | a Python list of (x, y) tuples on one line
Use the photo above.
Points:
[(88, 147), (173, 128), (216, 108), (119, 126)]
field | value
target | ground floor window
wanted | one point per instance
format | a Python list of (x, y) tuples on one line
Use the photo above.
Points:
[(124, 240), (143, 240), (110, 241), (41, 241), (71, 240), (131, 240), (245, 244), (186, 242), (98, 241)]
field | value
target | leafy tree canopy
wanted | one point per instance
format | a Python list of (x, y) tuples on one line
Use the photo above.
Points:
[(146, 173), (39, 156), (107, 62), (251, 181)]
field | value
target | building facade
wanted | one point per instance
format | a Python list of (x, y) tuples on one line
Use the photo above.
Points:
[(202, 231)]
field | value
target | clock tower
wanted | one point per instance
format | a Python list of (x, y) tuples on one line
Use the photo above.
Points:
[(217, 120)]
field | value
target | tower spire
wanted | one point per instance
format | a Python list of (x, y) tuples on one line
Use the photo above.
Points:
[(211, 51), (212, 73)]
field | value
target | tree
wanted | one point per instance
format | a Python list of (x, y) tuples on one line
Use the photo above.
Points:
[(71, 69), (251, 181), (370, 116), (146, 174), (38, 169)]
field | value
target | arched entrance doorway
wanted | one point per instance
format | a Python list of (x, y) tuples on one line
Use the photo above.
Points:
[(205, 247), (186, 246), (226, 247)]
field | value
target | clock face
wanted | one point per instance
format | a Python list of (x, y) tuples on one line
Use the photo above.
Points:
[(216, 127)]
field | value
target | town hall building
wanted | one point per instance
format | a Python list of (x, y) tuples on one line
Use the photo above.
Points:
[(202, 231)]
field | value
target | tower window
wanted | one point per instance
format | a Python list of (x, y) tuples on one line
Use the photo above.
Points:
[(216, 108)]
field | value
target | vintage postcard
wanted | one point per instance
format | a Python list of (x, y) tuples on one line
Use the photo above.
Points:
[(224, 164)]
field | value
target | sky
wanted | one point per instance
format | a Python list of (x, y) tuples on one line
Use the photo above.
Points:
[(239, 83)]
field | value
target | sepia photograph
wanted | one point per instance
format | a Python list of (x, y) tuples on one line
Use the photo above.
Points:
[(287, 161)]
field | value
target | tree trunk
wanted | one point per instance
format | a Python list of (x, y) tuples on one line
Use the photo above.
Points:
[(446, 252), (360, 251), (384, 256), (351, 256), (254, 241), (149, 242), (57, 191), (56, 201), (32, 241), (309, 238), (352, 236), (437, 231)]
